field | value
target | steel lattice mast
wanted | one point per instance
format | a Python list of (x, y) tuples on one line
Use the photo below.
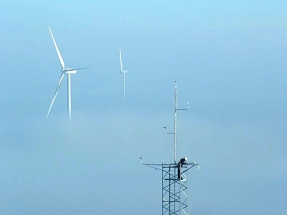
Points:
[(174, 176)]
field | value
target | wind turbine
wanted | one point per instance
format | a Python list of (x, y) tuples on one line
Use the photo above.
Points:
[(64, 71), (122, 72)]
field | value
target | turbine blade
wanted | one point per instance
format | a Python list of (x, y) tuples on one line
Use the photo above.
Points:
[(58, 52), (55, 94), (121, 63), (117, 81), (72, 69)]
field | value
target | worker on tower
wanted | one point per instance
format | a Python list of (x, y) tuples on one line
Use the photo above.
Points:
[(181, 162)]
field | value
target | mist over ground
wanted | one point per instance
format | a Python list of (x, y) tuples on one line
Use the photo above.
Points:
[(229, 60)]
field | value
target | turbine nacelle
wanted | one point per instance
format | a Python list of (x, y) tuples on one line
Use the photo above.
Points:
[(124, 71), (70, 71)]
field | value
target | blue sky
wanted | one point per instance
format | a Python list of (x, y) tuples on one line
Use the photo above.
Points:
[(229, 59)]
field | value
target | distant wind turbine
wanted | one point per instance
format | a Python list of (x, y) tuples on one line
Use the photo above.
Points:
[(122, 72), (64, 71)]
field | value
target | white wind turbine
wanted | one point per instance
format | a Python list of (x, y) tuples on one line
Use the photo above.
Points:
[(64, 71), (122, 72)]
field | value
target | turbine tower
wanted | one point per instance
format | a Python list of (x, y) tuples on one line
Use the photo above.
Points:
[(122, 72), (174, 175), (64, 71)]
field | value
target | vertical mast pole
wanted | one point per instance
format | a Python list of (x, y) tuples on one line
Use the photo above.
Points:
[(175, 108)]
